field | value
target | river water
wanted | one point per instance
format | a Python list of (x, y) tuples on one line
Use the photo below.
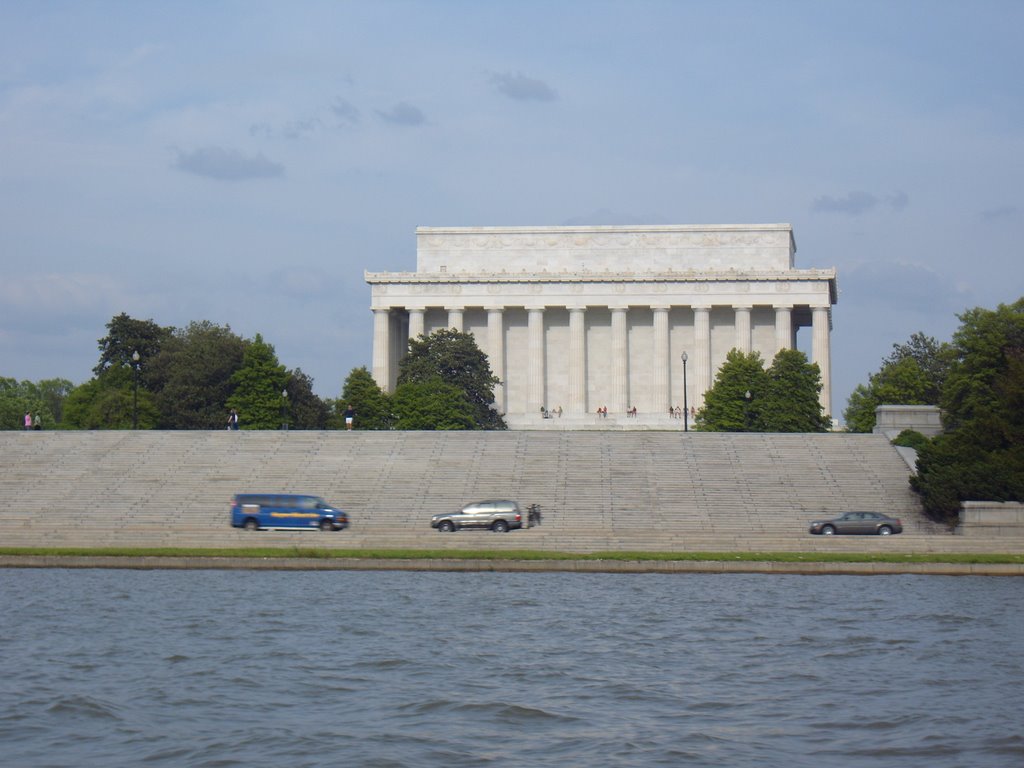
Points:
[(260, 668)]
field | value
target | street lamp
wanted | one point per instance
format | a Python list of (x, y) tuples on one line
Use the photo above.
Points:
[(135, 389), (284, 409), (746, 410), (686, 409)]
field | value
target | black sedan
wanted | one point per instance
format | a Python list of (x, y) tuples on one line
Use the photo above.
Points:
[(858, 522)]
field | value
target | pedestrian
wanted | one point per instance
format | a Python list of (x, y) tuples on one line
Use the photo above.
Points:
[(350, 415), (233, 419), (37, 423), (28, 420)]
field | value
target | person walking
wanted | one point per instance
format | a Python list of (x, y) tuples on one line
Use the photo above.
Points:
[(350, 416), (37, 423), (233, 419), (28, 420)]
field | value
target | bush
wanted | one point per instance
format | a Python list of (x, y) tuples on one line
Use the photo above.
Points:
[(910, 438)]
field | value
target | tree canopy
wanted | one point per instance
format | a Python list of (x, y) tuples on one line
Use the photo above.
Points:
[(107, 401), (913, 374), (454, 358), (305, 409), (258, 386), (747, 398), (44, 398), (431, 404), (191, 376), (126, 336), (360, 391), (791, 398), (981, 454), (188, 378), (732, 403)]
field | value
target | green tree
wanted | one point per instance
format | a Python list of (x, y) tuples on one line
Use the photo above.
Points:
[(53, 393), (191, 376), (859, 415), (913, 374), (107, 402), (732, 403), (981, 454), (933, 359), (372, 406), (431, 404), (898, 382), (258, 385), (15, 399), (126, 336), (306, 409), (790, 400), (454, 357), (12, 407)]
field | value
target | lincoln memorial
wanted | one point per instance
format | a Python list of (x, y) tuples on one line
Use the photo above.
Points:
[(576, 319)]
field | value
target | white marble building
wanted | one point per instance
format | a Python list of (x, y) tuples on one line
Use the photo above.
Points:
[(580, 318)]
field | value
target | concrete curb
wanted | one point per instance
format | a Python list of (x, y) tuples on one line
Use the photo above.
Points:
[(510, 566)]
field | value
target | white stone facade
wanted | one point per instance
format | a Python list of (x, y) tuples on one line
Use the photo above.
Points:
[(580, 318)]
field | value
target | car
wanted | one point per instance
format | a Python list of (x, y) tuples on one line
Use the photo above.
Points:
[(499, 515), (285, 511), (858, 522)]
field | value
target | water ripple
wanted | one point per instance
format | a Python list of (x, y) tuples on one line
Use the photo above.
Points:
[(212, 669)]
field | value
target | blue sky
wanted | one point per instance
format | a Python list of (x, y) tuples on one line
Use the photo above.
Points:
[(245, 162)]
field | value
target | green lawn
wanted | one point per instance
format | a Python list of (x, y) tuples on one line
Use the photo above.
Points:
[(484, 554)]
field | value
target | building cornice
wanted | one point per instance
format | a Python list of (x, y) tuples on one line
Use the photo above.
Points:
[(688, 276)]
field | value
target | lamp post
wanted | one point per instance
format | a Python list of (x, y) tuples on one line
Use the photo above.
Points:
[(686, 409), (135, 389), (746, 410), (284, 409)]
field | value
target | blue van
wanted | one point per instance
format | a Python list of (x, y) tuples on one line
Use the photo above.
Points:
[(285, 511)]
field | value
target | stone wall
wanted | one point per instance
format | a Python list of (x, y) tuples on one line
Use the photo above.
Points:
[(890, 420), (991, 518)]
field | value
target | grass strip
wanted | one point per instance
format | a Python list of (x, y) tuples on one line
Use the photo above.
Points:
[(486, 554)]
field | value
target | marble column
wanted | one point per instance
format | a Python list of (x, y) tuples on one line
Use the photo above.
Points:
[(496, 353), (743, 328), (821, 353), (535, 360), (783, 328), (660, 365), (455, 318), (620, 361), (701, 353), (382, 348), (577, 361), (416, 327)]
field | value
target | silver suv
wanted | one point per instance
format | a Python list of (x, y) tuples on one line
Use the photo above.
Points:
[(498, 515)]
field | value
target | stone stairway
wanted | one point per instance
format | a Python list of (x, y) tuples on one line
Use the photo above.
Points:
[(599, 490)]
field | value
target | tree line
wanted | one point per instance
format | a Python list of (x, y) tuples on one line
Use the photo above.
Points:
[(159, 377), (977, 381)]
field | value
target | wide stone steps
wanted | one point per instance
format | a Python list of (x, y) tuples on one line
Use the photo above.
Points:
[(598, 490)]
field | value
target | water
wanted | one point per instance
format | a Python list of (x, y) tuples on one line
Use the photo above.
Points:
[(225, 668)]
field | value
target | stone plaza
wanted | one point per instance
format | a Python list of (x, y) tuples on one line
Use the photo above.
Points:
[(577, 319)]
